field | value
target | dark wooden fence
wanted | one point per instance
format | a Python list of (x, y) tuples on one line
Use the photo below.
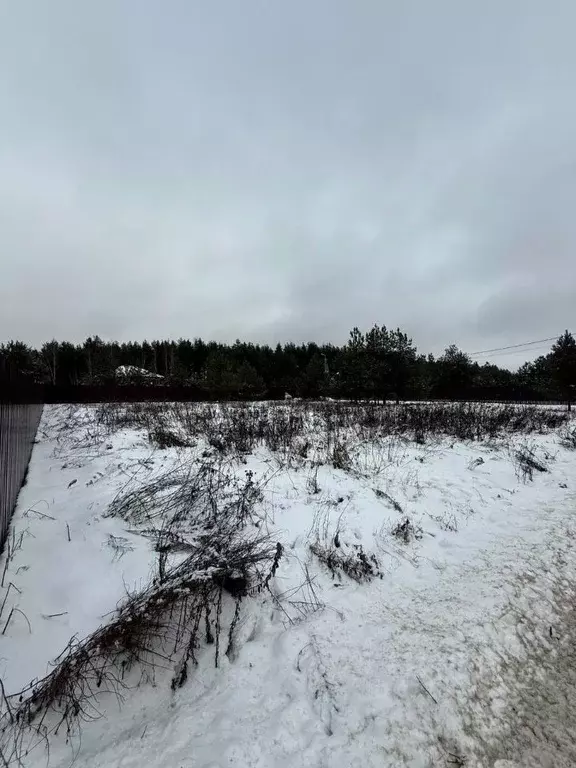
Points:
[(20, 412), (136, 393)]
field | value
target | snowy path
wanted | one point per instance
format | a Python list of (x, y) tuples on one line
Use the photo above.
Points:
[(460, 654)]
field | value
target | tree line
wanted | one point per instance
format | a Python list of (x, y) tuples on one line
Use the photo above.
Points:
[(380, 363)]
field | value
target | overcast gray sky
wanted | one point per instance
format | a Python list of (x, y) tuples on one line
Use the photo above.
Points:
[(286, 170)]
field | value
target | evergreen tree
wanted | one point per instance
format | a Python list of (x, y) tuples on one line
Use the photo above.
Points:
[(18, 359), (315, 379), (50, 354), (354, 374), (453, 374), (563, 366), (373, 364), (249, 382)]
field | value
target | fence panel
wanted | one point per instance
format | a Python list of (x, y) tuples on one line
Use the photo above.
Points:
[(20, 412)]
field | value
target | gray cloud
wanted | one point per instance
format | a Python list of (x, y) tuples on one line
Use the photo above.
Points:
[(286, 171)]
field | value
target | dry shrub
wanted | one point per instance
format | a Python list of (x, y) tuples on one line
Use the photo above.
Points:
[(165, 438), (227, 558), (300, 427), (527, 463), (350, 560), (568, 438), (202, 493), (407, 531)]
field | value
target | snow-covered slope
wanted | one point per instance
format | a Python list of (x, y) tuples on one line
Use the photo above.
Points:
[(420, 615), (132, 371)]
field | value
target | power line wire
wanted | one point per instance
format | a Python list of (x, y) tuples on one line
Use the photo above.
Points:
[(512, 346), (515, 352)]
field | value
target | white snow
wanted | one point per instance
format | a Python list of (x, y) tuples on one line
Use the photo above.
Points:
[(124, 371), (421, 666)]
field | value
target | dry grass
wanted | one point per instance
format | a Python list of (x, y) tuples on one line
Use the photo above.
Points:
[(303, 427), (163, 627)]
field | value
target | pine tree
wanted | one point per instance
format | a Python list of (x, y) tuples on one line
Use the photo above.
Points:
[(454, 374), (563, 366), (50, 359)]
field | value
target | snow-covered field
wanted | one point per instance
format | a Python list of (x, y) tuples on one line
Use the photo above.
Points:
[(413, 604)]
